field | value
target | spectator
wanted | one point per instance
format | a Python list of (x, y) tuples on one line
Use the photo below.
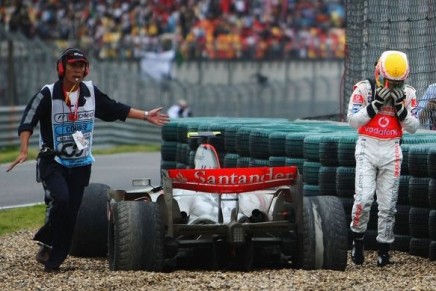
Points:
[(426, 109), (218, 29), (180, 110), (20, 21)]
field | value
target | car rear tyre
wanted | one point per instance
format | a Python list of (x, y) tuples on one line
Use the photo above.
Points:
[(136, 237), (90, 233), (334, 232), (322, 241)]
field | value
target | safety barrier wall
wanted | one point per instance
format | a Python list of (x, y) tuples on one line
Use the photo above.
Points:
[(314, 90), (288, 88), (291, 89)]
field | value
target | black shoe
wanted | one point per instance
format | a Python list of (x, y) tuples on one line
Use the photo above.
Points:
[(383, 260), (51, 270), (357, 252), (43, 254)]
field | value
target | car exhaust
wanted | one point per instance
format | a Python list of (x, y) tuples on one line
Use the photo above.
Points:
[(257, 216)]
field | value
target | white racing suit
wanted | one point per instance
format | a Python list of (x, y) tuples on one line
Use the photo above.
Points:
[(378, 158)]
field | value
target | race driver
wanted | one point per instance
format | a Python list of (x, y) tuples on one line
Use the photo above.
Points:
[(380, 110)]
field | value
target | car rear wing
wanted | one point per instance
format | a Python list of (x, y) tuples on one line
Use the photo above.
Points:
[(231, 180), (193, 134), (224, 180)]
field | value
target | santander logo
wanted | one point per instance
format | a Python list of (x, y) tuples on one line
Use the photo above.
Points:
[(229, 180), (203, 176)]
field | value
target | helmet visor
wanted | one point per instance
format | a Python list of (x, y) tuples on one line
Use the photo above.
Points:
[(393, 84)]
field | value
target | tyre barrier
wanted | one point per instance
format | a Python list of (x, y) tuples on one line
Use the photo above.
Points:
[(324, 154)]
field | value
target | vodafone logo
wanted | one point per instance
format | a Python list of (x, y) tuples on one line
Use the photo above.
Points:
[(414, 103), (357, 98), (383, 122)]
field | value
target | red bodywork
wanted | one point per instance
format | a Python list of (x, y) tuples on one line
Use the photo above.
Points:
[(232, 180)]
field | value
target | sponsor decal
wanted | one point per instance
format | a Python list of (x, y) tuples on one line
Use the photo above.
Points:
[(397, 165), (356, 108), (357, 98), (383, 122), (357, 215), (60, 117), (82, 115), (382, 132), (414, 102), (232, 176), (86, 114), (70, 150), (232, 180), (70, 128)]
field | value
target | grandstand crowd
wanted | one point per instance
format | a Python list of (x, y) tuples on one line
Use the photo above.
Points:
[(206, 29)]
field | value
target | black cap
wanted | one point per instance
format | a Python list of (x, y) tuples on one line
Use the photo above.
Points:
[(74, 55)]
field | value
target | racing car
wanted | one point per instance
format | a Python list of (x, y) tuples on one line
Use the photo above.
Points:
[(224, 218)]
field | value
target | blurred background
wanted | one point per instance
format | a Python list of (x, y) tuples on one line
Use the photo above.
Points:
[(224, 57), (289, 59)]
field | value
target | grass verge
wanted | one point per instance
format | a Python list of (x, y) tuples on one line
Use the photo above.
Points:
[(10, 154), (12, 220)]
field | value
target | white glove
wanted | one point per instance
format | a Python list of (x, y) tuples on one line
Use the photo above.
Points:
[(384, 93), (398, 95)]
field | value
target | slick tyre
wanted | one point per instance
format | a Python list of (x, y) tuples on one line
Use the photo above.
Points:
[(306, 256), (136, 237), (334, 232), (90, 233), (323, 241)]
